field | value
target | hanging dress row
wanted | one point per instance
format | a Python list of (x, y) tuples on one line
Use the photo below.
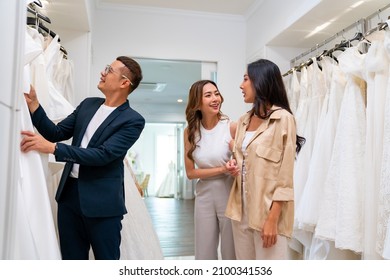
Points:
[(341, 176)]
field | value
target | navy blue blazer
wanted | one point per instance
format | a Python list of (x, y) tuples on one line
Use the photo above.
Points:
[(101, 173)]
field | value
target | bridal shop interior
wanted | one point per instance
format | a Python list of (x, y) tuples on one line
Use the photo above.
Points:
[(341, 177)]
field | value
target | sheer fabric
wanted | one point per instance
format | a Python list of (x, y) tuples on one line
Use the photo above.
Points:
[(383, 228), (139, 239), (308, 211), (34, 229), (340, 218), (315, 96), (378, 73)]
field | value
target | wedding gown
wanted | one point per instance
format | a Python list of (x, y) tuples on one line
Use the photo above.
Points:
[(341, 213), (44, 69), (307, 125), (292, 88), (315, 96), (301, 118), (139, 239), (377, 67), (322, 152), (307, 210), (383, 230), (167, 187), (34, 234)]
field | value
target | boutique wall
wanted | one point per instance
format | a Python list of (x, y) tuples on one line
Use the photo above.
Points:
[(168, 35)]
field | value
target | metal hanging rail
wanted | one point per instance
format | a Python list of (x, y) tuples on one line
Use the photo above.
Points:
[(363, 22)]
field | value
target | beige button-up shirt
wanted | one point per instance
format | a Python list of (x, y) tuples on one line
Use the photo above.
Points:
[(269, 164)]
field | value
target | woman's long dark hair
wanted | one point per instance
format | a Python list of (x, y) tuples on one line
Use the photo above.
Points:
[(193, 113), (270, 90)]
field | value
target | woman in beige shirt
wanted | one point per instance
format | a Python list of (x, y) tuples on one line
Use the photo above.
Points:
[(261, 202)]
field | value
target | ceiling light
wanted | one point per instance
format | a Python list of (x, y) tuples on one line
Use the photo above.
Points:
[(179, 100), (318, 29), (158, 87), (357, 4)]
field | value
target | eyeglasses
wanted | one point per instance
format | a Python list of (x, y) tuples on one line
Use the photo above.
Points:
[(109, 69)]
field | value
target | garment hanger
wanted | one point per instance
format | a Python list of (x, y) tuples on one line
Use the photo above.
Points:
[(321, 55), (64, 52), (383, 26), (37, 14), (41, 27), (358, 37), (290, 71), (38, 3)]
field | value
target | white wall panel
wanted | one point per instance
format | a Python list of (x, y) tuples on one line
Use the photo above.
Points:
[(169, 35)]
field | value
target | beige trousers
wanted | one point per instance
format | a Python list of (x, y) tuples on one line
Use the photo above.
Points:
[(213, 230), (249, 245)]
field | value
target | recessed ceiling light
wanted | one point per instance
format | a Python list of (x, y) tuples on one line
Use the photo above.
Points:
[(319, 28), (179, 100), (160, 87), (357, 4)]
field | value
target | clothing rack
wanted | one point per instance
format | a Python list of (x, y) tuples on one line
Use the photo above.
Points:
[(381, 25), (36, 21), (363, 23), (37, 14), (356, 25)]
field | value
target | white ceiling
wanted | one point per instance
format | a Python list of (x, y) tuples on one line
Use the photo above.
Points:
[(338, 13), (234, 7)]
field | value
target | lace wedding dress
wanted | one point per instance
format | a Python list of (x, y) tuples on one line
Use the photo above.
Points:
[(341, 212)]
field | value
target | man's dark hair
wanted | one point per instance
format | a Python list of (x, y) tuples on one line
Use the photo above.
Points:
[(133, 71)]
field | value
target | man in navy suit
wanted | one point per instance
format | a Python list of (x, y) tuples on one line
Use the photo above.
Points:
[(90, 194)]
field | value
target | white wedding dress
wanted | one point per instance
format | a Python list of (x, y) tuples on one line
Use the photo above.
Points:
[(383, 231), (307, 127), (377, 64), (34, 235), (168, 185), (307, 210), (341, 212), (139, 239)]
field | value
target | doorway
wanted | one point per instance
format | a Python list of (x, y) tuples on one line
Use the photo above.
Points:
[(162, 98), (159, 152)]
